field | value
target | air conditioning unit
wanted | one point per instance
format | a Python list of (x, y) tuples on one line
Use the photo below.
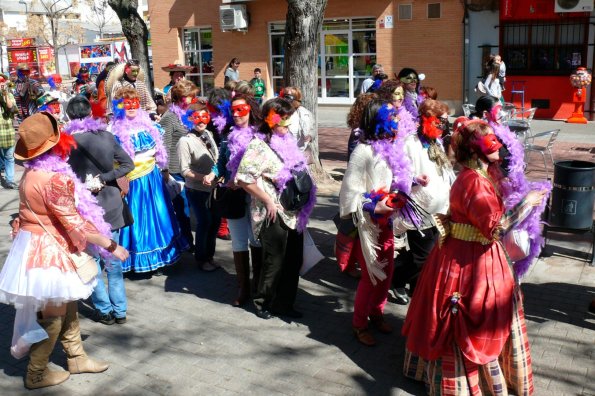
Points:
[(233, 17), (574, 6)]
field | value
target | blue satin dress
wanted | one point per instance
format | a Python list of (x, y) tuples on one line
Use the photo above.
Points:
[(154, 239)]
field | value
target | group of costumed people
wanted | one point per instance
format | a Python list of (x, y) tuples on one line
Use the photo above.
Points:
[(467, 224), (450, 200), (72, 202)]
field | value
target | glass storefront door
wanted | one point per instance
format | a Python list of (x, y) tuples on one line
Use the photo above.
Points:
[(335, 67)]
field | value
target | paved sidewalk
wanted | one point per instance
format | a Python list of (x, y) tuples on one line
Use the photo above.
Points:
[(184, 338)]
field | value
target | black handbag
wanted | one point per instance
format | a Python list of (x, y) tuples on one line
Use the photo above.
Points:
[(228, 202), (127, 214), (297, 190)]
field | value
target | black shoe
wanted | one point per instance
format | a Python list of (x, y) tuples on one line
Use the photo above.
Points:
[(226, 237), (11, 186), (107, 319), (158, 272), (264, 314), (121, 320)]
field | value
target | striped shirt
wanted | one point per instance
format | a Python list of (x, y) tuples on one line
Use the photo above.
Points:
[(174, 130)]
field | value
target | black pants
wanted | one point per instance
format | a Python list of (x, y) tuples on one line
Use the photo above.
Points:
[(283, 252), (409, 262)]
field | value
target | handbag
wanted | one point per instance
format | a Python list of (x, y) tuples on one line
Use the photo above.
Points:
[(83, 263), (296, 193), (229, 202), (517, 244), (297, 190), (123, 183)]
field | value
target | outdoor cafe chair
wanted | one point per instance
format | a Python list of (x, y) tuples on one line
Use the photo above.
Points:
[(531, 146)]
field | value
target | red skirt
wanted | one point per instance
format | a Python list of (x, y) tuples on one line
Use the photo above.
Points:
[(464, 296)]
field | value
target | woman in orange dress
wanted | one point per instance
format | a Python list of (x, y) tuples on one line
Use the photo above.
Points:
[(466, 316), (57, 216)]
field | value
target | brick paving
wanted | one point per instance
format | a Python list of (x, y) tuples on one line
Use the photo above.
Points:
[(183, 337)]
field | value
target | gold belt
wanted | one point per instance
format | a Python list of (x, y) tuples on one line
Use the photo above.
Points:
[(467, 232), (141, 168)]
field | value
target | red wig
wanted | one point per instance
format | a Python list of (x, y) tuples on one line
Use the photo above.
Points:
[(64, 146)]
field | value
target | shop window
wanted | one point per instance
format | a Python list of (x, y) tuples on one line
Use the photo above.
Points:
[(405, 12), (198, 53), (434, 10), (349, 48), (544, 48)]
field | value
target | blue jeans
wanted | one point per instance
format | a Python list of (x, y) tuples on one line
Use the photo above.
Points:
[(113, 299), (7, 158), (241, 232), (207, 224)]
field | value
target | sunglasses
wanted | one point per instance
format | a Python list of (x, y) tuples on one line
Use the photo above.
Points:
[(240, 110), (131, 104), (133, 62)]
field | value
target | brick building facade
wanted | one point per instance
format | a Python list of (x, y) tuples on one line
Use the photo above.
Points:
[(424, 34)]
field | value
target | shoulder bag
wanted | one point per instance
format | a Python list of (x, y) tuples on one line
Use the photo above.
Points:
[(230, 203), (83, 263), (122, 182), (296, 193)]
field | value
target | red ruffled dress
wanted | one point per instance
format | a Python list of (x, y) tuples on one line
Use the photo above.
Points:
[(465, 301)]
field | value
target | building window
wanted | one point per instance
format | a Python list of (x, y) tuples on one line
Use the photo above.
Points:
[(544, 48), (405, 12), (198, 53), (347, 52), (434, 10)]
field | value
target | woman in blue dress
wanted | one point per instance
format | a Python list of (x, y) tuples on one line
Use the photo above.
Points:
[(154, 239)]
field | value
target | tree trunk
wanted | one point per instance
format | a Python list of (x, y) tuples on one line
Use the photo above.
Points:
[(54, 45), (136, 32), (302, 28)]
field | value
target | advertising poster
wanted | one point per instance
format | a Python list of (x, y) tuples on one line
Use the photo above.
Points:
[(96, 53)]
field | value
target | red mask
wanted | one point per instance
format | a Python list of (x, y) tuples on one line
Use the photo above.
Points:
[(488, 144), (131, 104), (54, 107), (200, 117), (430, 127), (240, 110)]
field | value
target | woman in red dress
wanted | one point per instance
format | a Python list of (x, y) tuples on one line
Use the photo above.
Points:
[(466, 315)]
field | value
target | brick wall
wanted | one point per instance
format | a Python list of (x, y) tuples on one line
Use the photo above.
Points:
[(433, 47)]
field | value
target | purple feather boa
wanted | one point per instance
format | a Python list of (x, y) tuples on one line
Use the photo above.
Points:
[(514, 188), (86, 203), (220, 123), (411, 104), (238, 140), (407, 125), (123, 128), (177, 110), (393, 153), (293, 158), (87, 124)]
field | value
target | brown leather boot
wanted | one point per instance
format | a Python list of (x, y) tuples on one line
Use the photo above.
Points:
[(38, 374), (77, 359), (242, 263), (256, 257)]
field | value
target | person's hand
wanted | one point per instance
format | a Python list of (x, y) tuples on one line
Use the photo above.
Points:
[(535, 197), (422, 180), (120, 253), (382, 208), (207, 180), (271, 210), (165, 175)]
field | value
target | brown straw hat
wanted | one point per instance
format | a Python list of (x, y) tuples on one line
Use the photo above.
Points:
[(38, 133)]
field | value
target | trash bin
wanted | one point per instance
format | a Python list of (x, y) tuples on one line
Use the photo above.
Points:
[(573, 195)]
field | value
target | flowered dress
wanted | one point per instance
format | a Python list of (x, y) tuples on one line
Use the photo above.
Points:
[(154, 239)]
